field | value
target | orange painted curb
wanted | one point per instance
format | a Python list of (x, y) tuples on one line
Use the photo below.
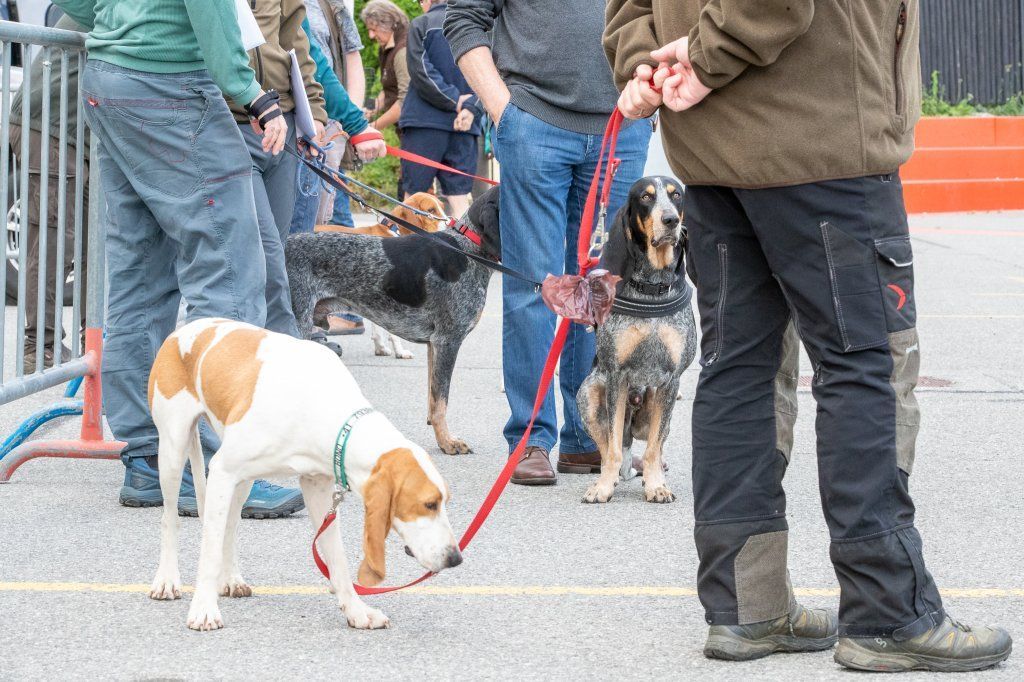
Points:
[(946, 196), (974, 163), (969, 131)]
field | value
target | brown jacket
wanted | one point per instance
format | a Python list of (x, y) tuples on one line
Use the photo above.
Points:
[(281, 24), (805, 90)]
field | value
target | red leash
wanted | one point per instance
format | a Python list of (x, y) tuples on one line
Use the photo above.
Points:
[(415, 158), (597, 199)]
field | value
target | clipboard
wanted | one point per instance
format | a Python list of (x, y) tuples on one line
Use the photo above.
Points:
[(304, 125), (252, 36)]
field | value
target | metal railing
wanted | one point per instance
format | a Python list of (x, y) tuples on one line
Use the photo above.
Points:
[(55, 51)]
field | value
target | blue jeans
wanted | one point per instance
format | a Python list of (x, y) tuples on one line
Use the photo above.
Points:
[(180, 220), (545, 174), (307, 200), (342, 211)]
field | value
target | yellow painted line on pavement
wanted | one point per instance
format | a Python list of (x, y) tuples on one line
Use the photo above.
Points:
[(491, 590)]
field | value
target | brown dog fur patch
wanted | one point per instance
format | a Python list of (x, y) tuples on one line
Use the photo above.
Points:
[(169, 374), (423, 201), (398, 488), (673, 340), (627, 341), (230, 370)]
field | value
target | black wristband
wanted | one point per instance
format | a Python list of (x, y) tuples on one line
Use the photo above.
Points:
[(261, 104), (269, 116)]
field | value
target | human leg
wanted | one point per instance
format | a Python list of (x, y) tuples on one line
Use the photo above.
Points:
[(537, 161)]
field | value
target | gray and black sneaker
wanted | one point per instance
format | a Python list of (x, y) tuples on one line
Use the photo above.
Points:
[(800, 630), (950, 646)]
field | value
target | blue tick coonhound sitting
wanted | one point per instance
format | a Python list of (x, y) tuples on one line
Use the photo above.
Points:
[(647, 342)]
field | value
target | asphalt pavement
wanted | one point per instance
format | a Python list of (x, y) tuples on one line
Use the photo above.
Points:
[(551, 588)]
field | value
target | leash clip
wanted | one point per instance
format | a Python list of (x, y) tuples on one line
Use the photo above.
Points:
[(338, 497), (599, 236)]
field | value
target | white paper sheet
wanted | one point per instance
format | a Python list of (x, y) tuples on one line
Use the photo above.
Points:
[(303, 114), (252, 36)]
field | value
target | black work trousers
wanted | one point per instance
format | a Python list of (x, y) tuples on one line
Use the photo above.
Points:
[(834, 258)]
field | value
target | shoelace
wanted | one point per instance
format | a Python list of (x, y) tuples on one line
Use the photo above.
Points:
[(266, 486)]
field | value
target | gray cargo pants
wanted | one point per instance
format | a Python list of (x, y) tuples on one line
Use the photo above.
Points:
[(180, 221)]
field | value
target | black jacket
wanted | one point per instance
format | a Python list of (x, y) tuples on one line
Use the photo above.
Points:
[(436, 83)]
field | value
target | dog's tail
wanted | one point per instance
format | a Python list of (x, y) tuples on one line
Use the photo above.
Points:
[(196, 460)]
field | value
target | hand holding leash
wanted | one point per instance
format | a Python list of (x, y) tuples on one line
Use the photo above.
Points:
[(369, 144), (268, 120), (682, 89)]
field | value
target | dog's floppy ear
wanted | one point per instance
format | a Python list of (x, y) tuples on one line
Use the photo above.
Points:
[(377, 498), (484, 214)]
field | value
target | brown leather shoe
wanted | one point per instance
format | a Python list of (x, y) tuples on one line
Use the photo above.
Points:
[(534, 468), (579, 462)]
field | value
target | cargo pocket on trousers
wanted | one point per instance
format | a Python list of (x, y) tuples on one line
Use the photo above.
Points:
[(896, 275), (853, 278)]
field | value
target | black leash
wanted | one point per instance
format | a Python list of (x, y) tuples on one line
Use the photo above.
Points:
[(331, 177)]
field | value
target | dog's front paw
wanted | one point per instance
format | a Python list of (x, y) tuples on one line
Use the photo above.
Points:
[(598, 493), (455, 446), (165, 588), (363, 617), (235, 586), (404, 354), (204, 615), (659, 494), (382, 351)]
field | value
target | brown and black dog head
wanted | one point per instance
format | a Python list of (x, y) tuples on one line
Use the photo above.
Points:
[(654, 219)]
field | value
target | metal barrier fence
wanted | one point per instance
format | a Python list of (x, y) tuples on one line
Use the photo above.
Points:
[(977, 47), (56, 51)]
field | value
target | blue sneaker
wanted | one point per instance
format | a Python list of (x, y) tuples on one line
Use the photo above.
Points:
[(142, 489)]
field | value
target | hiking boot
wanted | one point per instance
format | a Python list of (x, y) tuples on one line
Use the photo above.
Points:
[(800, 630), (534, 468), (320, 337), (950, 646), (28, 364), (142, 489)]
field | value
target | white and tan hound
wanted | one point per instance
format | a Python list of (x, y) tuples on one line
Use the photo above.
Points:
[(278, 405)]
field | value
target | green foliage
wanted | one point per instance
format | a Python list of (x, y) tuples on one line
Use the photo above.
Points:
[(369, 53), (934, 103)]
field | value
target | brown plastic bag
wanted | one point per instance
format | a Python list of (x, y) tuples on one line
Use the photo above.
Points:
[(586, 300)]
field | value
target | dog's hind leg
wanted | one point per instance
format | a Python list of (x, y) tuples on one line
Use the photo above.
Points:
[(317, 492), (430, 382), (615, 399), (441, 368), (659, 420), (232, 584), (379, 336), (177, 428), (203, 612), (401, 352)]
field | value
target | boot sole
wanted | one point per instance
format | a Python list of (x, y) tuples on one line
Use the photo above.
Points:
[(852, 655), (566, 468), (533, 481), (279, 512), (738, 649)]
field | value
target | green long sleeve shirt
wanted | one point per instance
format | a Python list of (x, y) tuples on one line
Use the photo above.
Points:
[(169, 36)]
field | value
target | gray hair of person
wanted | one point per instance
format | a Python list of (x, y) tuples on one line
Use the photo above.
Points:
[(387, 15)]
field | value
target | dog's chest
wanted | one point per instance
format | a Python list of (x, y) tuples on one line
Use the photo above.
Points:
[(649, 351)]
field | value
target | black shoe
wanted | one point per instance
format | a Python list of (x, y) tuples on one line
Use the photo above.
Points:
[(320, 337)]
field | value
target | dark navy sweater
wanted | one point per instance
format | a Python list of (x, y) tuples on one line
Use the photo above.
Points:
[(436, 83)]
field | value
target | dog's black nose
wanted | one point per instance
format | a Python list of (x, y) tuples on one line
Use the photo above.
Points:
[(453, 559), (669, 220), (409, 552)]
